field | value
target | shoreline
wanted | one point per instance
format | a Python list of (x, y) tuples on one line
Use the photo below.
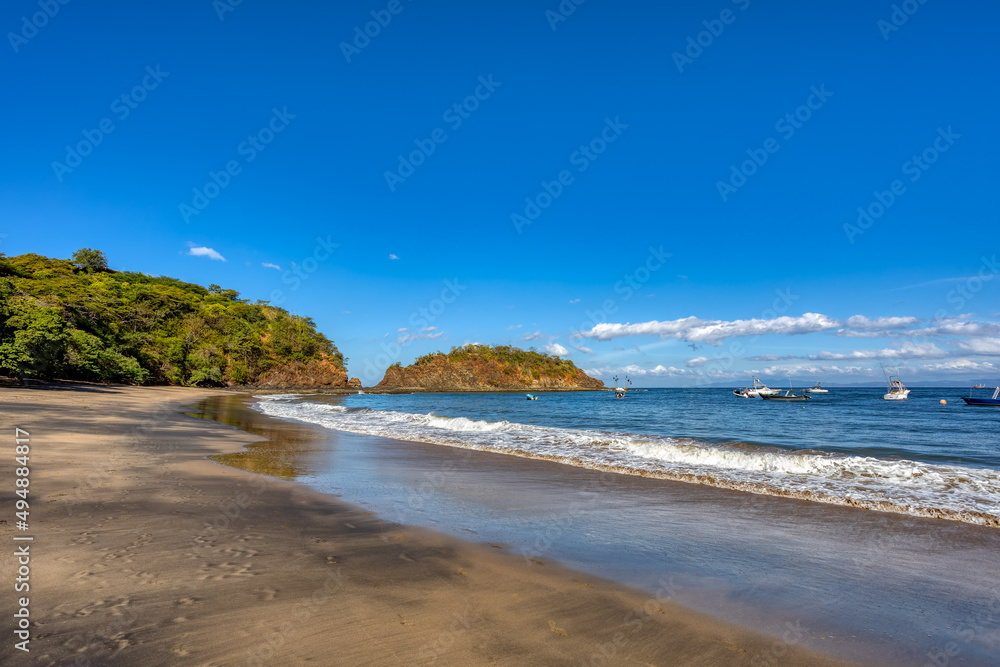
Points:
[(150, 554), (899, 587)]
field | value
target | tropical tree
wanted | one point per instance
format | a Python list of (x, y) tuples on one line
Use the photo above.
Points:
[(90, 260)]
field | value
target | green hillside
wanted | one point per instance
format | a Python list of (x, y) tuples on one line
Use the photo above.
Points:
[(77, 320), (528, 362)]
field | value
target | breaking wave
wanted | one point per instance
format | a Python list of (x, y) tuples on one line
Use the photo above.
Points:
[(952, 492)]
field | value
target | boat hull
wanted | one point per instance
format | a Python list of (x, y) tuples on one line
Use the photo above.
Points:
[(785, 398), (744, 393), (982, 401), (897, 396)]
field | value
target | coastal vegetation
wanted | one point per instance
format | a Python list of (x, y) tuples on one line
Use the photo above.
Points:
[(488, 368), (530, 362), (78, 320)]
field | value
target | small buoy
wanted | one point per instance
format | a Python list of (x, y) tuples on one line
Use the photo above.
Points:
[(943, 402)]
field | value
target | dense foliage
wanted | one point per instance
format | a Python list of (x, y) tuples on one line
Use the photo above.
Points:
[(530, 362), (78, 320)]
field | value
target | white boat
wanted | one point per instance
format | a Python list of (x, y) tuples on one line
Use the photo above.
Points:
[(818, 389), (897, 391), (757, 390)]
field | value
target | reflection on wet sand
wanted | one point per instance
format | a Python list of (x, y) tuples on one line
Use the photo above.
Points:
[(286, 448)]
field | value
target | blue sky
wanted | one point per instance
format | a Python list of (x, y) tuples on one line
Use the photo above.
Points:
[(666, 189)]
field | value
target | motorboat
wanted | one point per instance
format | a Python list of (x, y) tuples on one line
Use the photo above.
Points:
[(531, 397), (972, 400), (897, 391), (758, 388), (789, 395), (818, 389)]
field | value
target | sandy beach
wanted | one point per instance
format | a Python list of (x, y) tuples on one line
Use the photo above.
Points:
[(144, 552)]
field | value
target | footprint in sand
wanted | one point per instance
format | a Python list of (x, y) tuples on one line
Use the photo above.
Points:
[(222, 571), (98, 605), (142, 540), (239, 552), (185, 602), (265, 594), (557, 630)]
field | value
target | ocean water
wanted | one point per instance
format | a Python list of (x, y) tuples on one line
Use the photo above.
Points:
[(848, 447), (895, 587)]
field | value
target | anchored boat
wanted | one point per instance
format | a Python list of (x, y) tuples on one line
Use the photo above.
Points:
[(897, 391), (972, 400), (789, 395), (757, 389), (818, 389)]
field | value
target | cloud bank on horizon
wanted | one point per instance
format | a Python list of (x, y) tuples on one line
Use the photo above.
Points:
[(958, 344)]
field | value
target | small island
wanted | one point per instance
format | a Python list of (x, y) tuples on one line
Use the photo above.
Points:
[(488, 368)]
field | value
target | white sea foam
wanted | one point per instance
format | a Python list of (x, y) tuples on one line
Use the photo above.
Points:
[(944, 491)]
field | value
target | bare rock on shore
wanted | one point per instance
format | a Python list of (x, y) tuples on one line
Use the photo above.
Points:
[(484, 368), (354, 383), (299, 375)]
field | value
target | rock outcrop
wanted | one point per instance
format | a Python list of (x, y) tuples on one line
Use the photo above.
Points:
[(317, 373), (482, 368)]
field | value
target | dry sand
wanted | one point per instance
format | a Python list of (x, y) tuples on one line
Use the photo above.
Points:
[(146, 553)]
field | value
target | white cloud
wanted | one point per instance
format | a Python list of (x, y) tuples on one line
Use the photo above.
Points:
[(410, 337), (392, 256), (906, 350), (959, 328), (962, 365), (574, 301), (402, 330), (514, 326), (429, 329), (985, 346), (697, 362), (556, 349), (533, 336), (864, 324), (817, 370), (581, 348), (949, 326), (638, 371), (713, 332), (202, 251), (268, 265), (848, 333)]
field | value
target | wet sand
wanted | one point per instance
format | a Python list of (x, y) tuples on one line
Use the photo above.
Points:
[(875, 587), (146, 553)]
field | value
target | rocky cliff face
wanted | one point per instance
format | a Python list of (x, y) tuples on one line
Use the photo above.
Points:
[(318, 373), (442, 374)]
